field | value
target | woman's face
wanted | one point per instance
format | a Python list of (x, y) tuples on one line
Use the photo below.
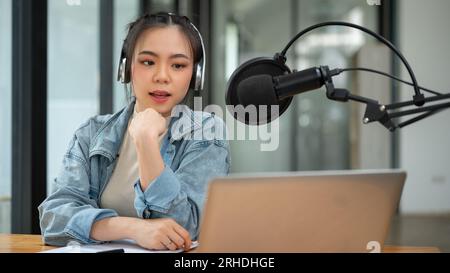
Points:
[(161, 69)]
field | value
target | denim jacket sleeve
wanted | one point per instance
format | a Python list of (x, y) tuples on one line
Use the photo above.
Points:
[(180, 193), (69, 211)]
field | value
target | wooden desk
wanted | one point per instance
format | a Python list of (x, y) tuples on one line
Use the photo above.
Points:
[(410, 249), (21, 243)]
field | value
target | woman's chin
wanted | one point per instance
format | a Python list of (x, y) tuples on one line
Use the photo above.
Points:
[(164, 110)]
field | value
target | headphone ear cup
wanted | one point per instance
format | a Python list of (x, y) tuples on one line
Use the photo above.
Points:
[(127, 73), (121, 75), (196, 81), (193, 82)]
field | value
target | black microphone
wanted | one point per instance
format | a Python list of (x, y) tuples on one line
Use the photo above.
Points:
[(269, 82), (255, 67), (264, 89)]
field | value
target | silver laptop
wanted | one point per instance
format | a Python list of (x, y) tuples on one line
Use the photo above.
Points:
[(330, 211)]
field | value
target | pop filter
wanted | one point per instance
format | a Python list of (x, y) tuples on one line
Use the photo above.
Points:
[(257, 66)]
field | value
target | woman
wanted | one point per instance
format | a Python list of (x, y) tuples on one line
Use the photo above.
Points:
[(138, 174)]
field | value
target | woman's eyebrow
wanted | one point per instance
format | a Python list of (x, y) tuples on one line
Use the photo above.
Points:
[(151, 53)]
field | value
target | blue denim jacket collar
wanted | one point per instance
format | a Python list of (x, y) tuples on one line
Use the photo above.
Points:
[(109, 137)]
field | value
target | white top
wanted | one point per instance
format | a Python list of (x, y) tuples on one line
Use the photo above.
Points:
[(119, 192)]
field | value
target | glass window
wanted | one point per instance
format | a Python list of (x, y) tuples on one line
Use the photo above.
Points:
[(73, 74), (162, 5), (125, 11), (314, 133), (5, 115), (323, 138), (241, 32)]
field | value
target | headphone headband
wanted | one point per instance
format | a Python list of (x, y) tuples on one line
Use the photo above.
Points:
[(200, 69)]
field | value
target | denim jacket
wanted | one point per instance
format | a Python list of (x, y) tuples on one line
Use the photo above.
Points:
[(69, 212)]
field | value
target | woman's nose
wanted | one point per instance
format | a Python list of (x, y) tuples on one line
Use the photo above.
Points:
[(161, 75)]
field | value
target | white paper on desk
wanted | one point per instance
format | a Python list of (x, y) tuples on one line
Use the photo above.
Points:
[(129, 246)]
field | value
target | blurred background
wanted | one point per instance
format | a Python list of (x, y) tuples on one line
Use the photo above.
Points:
[(58, 68)]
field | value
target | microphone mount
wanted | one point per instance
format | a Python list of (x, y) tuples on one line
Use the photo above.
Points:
[(418, 97), (283, 84), (376, 112)]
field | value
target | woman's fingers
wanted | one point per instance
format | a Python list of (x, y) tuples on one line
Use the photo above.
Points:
[(176, 239), (169, 244), (161, 246), (185, 235), (166, 233)]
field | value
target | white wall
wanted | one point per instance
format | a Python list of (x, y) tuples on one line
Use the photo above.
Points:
[(423, 36)]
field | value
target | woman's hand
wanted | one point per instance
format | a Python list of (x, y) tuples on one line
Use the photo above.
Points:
[(161, 233), (147, 124), (145, 130)]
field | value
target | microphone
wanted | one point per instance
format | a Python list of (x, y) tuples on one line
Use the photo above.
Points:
[(256, 67), (268, 90), (270, 83)]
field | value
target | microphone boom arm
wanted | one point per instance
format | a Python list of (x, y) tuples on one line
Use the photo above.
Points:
[(418, 98), (384, 113)]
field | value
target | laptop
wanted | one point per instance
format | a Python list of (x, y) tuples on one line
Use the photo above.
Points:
[(326, 211)]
